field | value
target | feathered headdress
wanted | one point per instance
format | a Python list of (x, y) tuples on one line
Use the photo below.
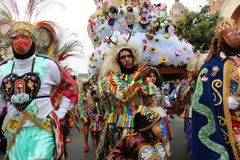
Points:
[(43, 33)]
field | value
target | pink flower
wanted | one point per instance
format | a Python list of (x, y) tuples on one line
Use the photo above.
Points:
[(112, 28), (144, 40), (99, 51), (188, 58), (93, 54), (182, 62)]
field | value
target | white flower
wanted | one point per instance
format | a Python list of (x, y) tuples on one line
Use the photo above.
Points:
[(154, 19), (162, 24), (166, 22), (116, 33)]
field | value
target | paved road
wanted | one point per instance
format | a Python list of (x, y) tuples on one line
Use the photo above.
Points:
[(178, 144)]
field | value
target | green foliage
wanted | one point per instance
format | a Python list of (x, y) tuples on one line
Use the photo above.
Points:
[(198, 27)]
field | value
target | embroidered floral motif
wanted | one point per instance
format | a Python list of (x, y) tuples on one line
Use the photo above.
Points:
[(233, 86), (156, 152)]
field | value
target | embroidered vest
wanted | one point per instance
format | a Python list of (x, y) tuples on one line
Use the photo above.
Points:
[(14, 85)]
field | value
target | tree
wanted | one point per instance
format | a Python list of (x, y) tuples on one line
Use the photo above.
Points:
[(198, 27)]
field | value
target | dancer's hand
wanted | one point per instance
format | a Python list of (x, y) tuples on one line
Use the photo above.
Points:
[(143, 68)]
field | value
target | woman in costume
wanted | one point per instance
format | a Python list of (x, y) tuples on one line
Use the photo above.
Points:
[(95, 112), (82, 106), (215, 119), (158, 100), (31, 126), (147, 142)]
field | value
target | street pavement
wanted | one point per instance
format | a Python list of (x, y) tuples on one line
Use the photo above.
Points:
[(178, 144)]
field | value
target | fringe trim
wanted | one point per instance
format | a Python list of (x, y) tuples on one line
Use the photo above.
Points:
[(228, 64), (27, 116)]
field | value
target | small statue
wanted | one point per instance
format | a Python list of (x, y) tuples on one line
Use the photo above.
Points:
[(112, 15), (144, 20), (130, 17)]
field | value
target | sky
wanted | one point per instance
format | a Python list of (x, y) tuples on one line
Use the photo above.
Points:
[(73, 17)]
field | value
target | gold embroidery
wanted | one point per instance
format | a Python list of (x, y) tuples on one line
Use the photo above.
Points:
[(215, 98), (58, 100), (13, 124), (8, 85), (217, 83), (215, 70), (74, 88), (30, 84), (225, 136), (222, 121)]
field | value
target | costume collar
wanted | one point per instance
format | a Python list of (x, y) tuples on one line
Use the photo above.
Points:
[(24, 62)]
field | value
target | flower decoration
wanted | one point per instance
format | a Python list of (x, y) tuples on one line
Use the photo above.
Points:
[(92, 54), (144, 47), (164, 59), (116, 33), (99, 51), (151, 37), (180, 37), (175, 33), (188, 58), (148, 59), (94, 59), (178, 53), (90, 59), (111, 28), (105, 53), (121, 6), (156, 39), (139, 20), (184, 48), (153, 49), (166, 36), (182, 62), (144, 40), (186, 40), (121, 23), (121, 11)]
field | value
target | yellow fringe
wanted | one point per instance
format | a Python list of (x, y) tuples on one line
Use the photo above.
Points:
[(27, 116), (226, 81)]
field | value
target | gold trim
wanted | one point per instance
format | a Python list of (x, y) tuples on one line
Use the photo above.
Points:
[(214, 97), (218, 84), (221, 119), (236, 118), (226, 137), (151, 125), (27, 116), (226, 79)]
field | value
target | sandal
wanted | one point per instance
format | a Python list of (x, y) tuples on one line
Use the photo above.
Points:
[(85, 149)]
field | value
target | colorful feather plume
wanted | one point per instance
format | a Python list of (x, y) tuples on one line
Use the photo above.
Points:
[(48, 41), (63, 52)]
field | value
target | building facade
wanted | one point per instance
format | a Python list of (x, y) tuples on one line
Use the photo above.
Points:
[(177, 11), (227, 8)]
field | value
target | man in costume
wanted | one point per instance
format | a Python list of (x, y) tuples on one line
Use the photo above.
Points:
[(126, 81), (215, 117), (31, 126)]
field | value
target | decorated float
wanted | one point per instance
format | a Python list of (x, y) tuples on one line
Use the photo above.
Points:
[(150, 28)]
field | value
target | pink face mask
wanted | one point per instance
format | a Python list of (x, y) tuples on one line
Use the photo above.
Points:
[(22, 43)]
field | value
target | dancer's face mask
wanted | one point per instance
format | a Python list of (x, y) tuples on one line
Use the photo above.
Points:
[(231, 37), (22, 43)]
